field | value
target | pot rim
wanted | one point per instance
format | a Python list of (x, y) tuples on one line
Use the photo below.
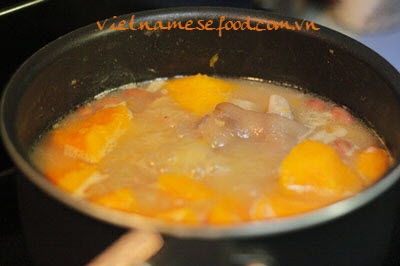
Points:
[(247, 229)]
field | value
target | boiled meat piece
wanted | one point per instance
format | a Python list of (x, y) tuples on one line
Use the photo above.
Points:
[(229, 122)]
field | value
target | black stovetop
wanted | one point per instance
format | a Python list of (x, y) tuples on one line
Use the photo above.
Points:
[(12, 246), (24, 30)]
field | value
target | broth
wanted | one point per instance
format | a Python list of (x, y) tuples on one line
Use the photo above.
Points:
[(206, 150)]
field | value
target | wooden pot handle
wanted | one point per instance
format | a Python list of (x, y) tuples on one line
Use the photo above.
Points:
[(133, 248)]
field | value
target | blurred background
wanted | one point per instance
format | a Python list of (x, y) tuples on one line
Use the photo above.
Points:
[(27, 25)]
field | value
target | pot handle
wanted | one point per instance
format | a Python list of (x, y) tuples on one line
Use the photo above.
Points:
[(132, 248)]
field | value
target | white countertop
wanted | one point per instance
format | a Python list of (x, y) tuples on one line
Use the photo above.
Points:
[(386, 43)]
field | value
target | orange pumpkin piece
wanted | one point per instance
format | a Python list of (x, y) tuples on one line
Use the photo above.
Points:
[(315, 167), (71, 179), (90, 138), (182, 214), (183, 186), (122, 199), (199, 93), (371, 163), (226, 211), (278, 205)]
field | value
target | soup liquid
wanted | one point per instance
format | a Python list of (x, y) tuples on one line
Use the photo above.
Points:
[(160, 149)]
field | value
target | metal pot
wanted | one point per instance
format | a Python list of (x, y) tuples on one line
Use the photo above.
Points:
[(62, 230)]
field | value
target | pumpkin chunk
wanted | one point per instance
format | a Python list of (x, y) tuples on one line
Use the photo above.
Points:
[(371, 163), (182, 186), (183, 214), (280, 205), (199, 93), (92, 137), (226, 211), (70, 180), (315, 167), (122, 199)]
